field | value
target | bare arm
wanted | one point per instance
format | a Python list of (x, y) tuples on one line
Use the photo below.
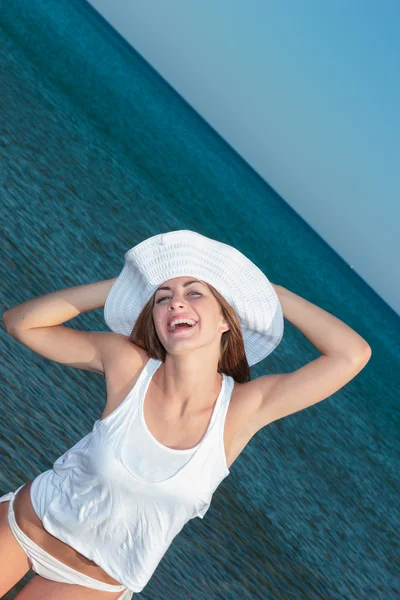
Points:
[(344, 354), (328, 333), (57, 307), (36, 324)]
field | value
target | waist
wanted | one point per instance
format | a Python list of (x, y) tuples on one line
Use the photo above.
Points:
[(28, 521)]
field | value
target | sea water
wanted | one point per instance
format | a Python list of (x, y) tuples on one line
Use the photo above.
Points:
[(98, 153)]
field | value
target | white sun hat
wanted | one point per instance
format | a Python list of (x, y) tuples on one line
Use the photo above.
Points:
[(187, 253)]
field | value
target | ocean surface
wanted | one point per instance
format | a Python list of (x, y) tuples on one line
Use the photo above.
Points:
[(98, 153)]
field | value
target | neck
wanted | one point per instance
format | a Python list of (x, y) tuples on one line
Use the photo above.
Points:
[(187, 384)]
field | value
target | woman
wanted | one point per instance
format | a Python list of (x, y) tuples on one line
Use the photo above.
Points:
[(180, 409)]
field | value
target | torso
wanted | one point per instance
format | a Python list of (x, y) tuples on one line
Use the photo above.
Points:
[(119, 381)]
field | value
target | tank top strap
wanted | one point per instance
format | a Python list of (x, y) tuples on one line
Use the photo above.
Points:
[(210, 460), (215, 434), (135, 396), (132, 400), (224, 401), (150, 368)]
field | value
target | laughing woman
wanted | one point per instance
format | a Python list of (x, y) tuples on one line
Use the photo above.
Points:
[(189, 315)]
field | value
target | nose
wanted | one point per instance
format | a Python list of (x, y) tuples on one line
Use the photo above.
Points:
[(176, 301)]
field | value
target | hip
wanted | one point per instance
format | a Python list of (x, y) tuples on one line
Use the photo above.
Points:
[(29, 522)]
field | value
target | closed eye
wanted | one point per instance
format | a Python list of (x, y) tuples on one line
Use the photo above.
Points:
[(163, 297)]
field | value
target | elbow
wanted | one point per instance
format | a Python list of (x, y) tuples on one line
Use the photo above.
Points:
[(367, 352), (357, 360), (5, 318), (8, 321), (362, 355)]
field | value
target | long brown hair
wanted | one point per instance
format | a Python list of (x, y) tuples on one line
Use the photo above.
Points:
[(232, 361)]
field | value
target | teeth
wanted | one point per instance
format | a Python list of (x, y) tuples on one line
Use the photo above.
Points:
[(176, 321)]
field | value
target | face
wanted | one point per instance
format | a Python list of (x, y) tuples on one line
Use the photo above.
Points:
[(190, 298)]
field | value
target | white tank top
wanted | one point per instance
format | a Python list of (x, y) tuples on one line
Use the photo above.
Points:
[(110, 498), (149, 459)]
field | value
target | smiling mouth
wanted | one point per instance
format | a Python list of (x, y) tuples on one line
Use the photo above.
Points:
[(181, 327)]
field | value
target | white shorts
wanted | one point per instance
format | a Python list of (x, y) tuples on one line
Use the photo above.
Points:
[(49, 567)]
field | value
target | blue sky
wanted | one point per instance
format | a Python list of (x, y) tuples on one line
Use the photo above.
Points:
[(307, 92)]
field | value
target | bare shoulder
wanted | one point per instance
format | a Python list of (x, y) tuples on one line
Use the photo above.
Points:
[(247, 399), (119, 354), (271, 397), (123, 361)]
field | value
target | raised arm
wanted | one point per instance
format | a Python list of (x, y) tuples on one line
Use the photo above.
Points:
[(344, 354), (36, 323)]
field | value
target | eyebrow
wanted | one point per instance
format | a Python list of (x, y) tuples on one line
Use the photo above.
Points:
[(184, 285)]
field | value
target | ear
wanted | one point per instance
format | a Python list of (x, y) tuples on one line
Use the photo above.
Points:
[(224, 321)]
